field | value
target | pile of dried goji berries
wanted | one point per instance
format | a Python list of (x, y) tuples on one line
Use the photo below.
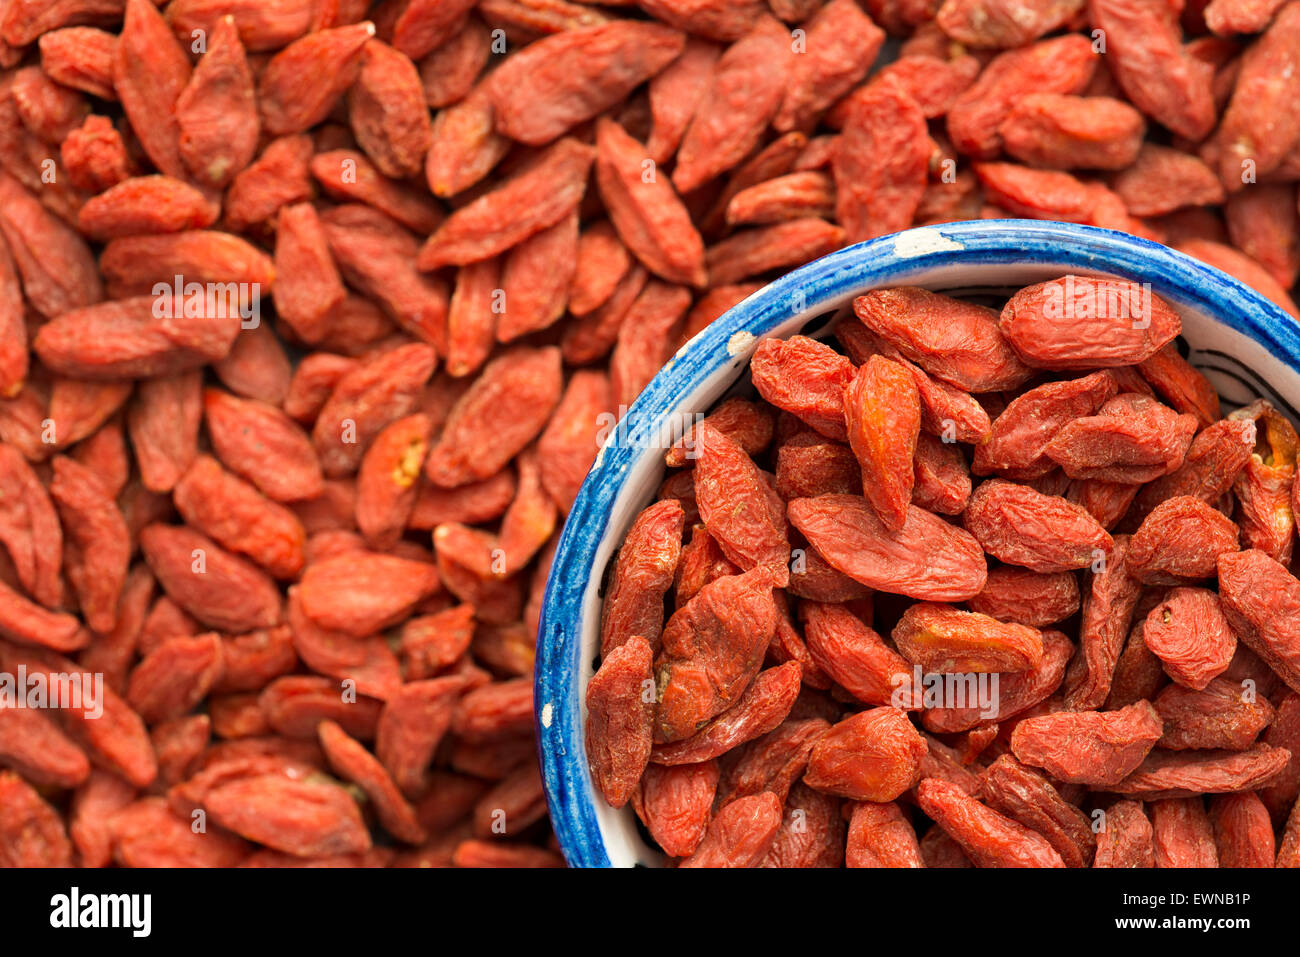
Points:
[(1081, 567), (289, 286)]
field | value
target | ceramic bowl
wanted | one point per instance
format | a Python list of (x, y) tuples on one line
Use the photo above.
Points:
[(1246, 346)]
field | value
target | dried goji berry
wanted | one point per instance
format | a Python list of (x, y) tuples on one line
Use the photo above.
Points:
[(619, 737), (927, 558), (874, 755)]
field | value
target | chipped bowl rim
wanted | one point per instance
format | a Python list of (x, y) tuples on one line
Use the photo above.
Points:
[(947, 256)]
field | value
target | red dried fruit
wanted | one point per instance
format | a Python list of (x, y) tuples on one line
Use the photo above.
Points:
[(880, 162), (1132, 439), (764, 705), (361, 592), (93, 805), (739, 835), (740, 508), (1266, 485), (753, 252), (1243, 833), (941, 477), (1288, 854), (940, 638), (411, 726), (374, 253), (350, 759), (1147, 57), (1182, 835), (580, 74), (1088, 747), (742, 97), (1081, 323), (952, 340), (145, 204), (883, 414), (990, 839), (465, 147), (618, 737), (150, 71), (842, 42), (1178, 774), (300, 85), (32, 744), (805, 377), (1138, 674), (240, 518), (1180, 541), (1109, 600), (1021, 434), (449, 71), (1031, 800), (649, 217), (1225, 714), (378, 391), (811, 834), (927, 558), (305, 818), (748, 424), (874, 755), (387, 111), (55, 264), (643, 572), (218, 588), (807, 193), (262, 26), (775, 761), (854, 655), (1125, 838), (510, 214), (174, 677), (80, 58), (106, 728), (1256, 132), (601, 263), (264, 445), (1213, 462), (216, 113), (30, 529), (1021, 526), (501, 413), (809, 466), (646, 336), (712, 648), (675, 803), (295, 704), (386, 486), (1190, 634), (1162, 179), (1030, 598), (702, 561), (880, 835), (1257, 596), (1060, 65), (1002, 23)]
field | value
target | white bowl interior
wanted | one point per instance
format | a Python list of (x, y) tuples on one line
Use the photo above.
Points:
[(1236, 364)]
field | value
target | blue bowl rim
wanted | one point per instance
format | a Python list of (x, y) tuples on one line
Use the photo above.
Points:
[(1173, 275)]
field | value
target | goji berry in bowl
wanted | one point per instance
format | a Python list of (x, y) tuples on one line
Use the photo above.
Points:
[(1245, 346)]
